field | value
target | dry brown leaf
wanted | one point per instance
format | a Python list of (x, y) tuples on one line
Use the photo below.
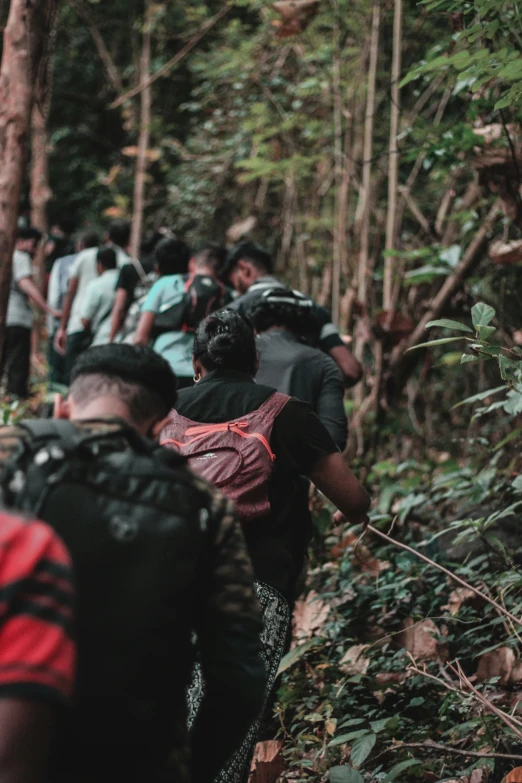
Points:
[(515, 776), (353, 661), (239, 229), (516, 674), (461, 595), (497, 663), (267, 764), (419, 638), (480, 775), (295, 16), (310, 615), (506, 252)]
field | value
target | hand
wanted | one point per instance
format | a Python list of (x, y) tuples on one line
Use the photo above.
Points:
[(56, 313), (60, 341), (340, 519)]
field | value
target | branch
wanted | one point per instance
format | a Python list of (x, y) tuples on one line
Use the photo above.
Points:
[(203, 30), (103, 52), (446, 749)]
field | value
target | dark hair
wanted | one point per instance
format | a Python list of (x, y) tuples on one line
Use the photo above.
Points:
[(248, 251), (225, 341), (29, 232), (90, 238), (141, 378), (284, 307), (106, 257), (64, 223), (119, 232), (211, 254), (150, 241), (172, 256)]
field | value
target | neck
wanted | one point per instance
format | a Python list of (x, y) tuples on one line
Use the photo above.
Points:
[(205, 270)]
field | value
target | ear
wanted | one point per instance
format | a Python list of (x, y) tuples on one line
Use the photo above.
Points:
[(243, 266), (198, 369), (192, 266), (61, 407), (158, 427)]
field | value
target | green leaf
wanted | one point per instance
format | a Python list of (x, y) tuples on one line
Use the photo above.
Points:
[(344, 775), (379, 725), (512, 435), (480, 396), (398, 768), (485, 331), (468, 357), (294, 655), (517, 483), (508, 368), (352, 735), (447, 323), (442, 341), (481, 314), (362, 748)]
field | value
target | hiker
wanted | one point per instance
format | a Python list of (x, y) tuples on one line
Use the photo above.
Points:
[(70, 336), (250, 270), (58, 283), (255, 443), (160, 321), (16, 354), (37, 652), (58, 243), (134, 283), (157, 554), (281, 317), (99, 298)]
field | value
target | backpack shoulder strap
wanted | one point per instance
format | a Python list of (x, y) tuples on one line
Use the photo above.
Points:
[(43, 430), (274, 404)]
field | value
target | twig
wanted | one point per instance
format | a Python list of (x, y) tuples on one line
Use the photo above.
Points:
[(446, 749), (446, 571), (203, 30), (510, 722)]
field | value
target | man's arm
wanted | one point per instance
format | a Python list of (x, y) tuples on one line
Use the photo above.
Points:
[(144, 328), (30, 289), (228, 634), (119, 311), (60, 340), (351, 369), (24, 739), (330, 403), (334, 478)]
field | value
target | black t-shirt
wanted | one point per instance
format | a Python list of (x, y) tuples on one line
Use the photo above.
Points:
[(129, 278), (277, 543)]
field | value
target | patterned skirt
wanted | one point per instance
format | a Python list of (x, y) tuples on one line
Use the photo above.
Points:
[(276, 624)]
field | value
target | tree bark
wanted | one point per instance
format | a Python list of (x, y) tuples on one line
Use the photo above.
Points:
[(144, 136), (393, 161), (24, 65)]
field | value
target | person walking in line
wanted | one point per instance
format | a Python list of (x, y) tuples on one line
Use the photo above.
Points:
[(250, 270), (254, 444), (99, 298), (16, 354), (158, 554), (282, 318)]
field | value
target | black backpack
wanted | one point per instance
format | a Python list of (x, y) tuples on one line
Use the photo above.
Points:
[(137, 527), (203, 295)]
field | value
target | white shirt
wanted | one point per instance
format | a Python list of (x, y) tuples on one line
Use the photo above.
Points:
[(97, 305), (84, 270), (19, 312)]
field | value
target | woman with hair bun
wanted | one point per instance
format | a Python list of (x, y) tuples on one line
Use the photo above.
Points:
[(254, 444)]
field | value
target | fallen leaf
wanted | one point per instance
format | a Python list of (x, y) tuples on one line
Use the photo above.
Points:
[(353, 661), (331, 726), (419, 638), (238, 230), (387, 678), (267, 764), (295, 16), (310, 615), (515, 776), (480, 775), (461, 595), (516, 674), (497, 663)]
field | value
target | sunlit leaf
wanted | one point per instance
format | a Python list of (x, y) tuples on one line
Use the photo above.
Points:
[(447, 323)]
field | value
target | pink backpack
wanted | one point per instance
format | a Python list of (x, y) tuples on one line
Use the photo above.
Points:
[(234, 456)]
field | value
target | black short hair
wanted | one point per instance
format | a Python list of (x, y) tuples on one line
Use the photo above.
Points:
[(29, 232), (248, 251), (106, 257), (281, 306), (211, 254), (141, 378), (119, 232), (65, 223), (225, 340), (90, 238), (172, 256)]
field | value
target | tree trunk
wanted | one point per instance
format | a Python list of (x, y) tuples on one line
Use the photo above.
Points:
[(144, 136), (23, 66), (393, 161)]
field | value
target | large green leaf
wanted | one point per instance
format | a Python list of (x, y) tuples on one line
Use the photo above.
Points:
[(482, 314), (447, 323), (362, 748), (442, 341), (398, 768), (480, 396), (344, 775), (294, 655), (352, 735)]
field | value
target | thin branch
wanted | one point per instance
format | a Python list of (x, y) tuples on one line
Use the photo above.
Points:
[(203, 30), (103, 52), (445, 749), (508, 720)]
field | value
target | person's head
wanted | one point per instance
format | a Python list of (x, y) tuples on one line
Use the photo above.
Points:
[(130, 382), (246, 263), (284, 308), (208, 259), (27, 239), (62, 226), (105, 259), (225, 341), (88, 239), (118, 233), (171, 257)]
